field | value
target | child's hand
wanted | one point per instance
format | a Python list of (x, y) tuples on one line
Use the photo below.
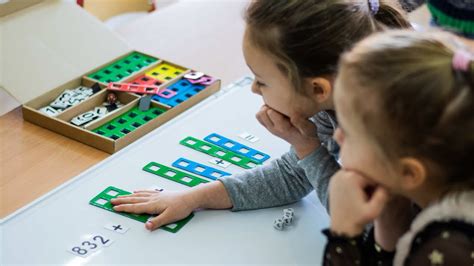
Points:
[(354, 201), (393, 222), (170, 206), (299, 132)]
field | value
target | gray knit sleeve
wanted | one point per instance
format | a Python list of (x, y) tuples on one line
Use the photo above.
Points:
[(280, 182), (319, 166)]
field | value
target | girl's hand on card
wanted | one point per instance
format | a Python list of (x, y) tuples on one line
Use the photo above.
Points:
[(170, 206), (299, 132), (354, 201)]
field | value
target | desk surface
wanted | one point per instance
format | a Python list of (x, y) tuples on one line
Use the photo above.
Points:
[(33, 160), (65, 219)]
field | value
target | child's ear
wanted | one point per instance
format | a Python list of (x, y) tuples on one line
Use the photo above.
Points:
[(413, 174), (321, 89)]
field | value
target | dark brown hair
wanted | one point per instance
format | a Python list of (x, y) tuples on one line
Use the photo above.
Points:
[(307, 37), (413, 102)]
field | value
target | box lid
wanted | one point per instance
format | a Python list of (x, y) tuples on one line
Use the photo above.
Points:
[(50, 43), (8, 6)]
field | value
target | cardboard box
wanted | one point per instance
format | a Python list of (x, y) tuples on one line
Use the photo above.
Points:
[(8, 6), (61, 123), (56, 58)]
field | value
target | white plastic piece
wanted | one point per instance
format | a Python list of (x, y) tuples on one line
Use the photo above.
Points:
[(59, 104), (118, 228), (101, 111), (194, 75), (84, 118), (49, 111), (249, 137), (84, 90)]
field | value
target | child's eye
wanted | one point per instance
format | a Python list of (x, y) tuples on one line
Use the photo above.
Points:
[(259, 84)]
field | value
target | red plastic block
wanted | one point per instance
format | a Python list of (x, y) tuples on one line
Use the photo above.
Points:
[(141, 89), (145, 80)]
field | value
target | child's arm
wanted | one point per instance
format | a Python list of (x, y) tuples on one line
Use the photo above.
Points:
[(280, 182)]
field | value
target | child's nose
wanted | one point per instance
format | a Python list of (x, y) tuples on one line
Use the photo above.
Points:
[(256, 89)]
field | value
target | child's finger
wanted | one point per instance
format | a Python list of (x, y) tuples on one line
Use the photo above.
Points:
[(133, 208), (278, 119), (139, 194), (304, 126), (129, 200), (377, 202), (146, 191), (265, 120), (160, 220)]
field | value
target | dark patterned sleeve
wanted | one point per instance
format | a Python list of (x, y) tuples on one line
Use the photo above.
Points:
[(360, 250), (448, 243)]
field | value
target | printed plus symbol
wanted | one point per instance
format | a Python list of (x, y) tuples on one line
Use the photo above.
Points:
[(117, 227), (121, 229), (219, 162)]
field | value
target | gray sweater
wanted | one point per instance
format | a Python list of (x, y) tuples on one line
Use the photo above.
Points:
[(286, 179)]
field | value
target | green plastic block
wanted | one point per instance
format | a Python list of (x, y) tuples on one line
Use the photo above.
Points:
[(219, 152), (122, 68), (174, 174), (103, 201), (128, 122)]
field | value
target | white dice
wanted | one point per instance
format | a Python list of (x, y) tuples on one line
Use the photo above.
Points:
[(288, 211), (278, 224), (286, 220)]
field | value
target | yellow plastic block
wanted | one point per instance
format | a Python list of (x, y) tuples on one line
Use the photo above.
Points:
[(165, 72)]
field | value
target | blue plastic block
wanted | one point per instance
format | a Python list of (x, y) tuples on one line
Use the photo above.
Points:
[(184, 90), (236, 147), (199, 169)]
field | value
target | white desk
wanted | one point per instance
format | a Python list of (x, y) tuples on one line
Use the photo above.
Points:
[(41, 232)]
